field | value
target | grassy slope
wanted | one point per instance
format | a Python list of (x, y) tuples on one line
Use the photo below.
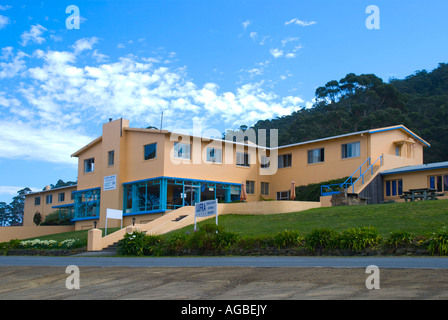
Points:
[(419, 218)]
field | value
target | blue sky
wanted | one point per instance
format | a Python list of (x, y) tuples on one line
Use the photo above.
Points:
[(222, 62)]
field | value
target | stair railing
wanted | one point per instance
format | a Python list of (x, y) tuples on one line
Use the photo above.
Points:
[(336, 188)]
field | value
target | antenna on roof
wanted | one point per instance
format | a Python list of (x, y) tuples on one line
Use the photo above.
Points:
[(161, 122)]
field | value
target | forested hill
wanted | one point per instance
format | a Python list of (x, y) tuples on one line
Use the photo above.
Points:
[(361, 102)]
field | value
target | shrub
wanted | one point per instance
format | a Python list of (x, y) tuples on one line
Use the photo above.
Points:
[(359, 238), (323, 238), (438, 242), (287, 238), (211, 237), (132, 244), (399, 238)]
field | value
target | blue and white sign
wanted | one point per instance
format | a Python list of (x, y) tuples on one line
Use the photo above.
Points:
[(205, 209)]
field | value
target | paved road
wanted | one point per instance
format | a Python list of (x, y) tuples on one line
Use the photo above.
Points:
[(223, 278), (330, 262)]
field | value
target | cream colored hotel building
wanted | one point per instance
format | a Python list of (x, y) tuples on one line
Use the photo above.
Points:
[(147, 172)]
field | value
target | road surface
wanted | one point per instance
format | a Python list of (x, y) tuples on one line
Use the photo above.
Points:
[(223, 278)]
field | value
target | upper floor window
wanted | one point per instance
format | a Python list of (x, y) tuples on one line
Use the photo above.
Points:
[(89, 165), (48, 198), (351, 150), (37, 201), (150, 151), (316, 155), (242, 159), (61, 197), (182, 150), (284, 160), (264, 162), (111, 158), (214, 155)]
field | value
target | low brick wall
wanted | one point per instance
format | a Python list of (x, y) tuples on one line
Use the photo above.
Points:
[(26, 232)]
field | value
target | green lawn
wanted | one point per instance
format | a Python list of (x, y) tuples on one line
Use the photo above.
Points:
[(419, 218)]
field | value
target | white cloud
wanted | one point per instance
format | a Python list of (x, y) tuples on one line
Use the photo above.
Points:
[(246, 24), (34, 35), (253, 35), (84, 44), (4, 21), (56, 101), (276, 53), (300, 22), (5, 7)]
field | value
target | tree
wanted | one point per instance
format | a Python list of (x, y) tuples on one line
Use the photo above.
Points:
[(17, 206), (37, 219)]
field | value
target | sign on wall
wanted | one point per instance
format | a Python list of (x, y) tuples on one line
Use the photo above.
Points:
[(110, 182)]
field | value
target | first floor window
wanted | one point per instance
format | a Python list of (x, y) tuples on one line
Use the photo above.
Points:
[(242, 159), (182, 150), (283, 195), (264, 162), (316, 155), (111, 158), (440, 183), (394, 188), (284, 160), (89, 165), (351, 150), (214, 155), (150, 151), (250, 187), (265, 188)]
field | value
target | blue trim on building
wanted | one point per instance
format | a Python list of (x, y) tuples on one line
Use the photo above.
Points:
[(143, 212), (88, 218), (64, 205), (185, 179), (397, 171), (405, 129), (91, 189)]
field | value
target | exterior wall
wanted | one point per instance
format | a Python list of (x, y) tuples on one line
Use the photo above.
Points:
[(333, 167), (130, 166), (414, 180), (44, 209), (382, 142), (26, 232)]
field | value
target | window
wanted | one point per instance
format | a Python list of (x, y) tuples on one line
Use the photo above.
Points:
[(61, 197), (182, 150), (264, 162), (242, 159), (48, 198), (151, 151), (351, 150), (394, 188), (110, 158), (440, 183), (283, 195), (214, 155), (264, 188), (37, 201), (250, 187), (284, 160), (316, 155), (89, 165), (398, 151)]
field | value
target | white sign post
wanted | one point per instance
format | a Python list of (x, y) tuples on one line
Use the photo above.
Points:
[(114, 214), (205, 209)]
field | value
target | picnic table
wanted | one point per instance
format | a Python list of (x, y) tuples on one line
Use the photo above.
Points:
[(421, 194)]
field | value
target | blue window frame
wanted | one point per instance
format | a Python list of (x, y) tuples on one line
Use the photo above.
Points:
[(87, 204)]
